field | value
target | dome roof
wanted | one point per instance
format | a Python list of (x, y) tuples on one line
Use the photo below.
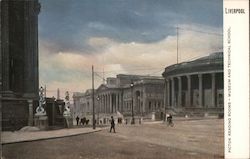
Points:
[(210, 63)]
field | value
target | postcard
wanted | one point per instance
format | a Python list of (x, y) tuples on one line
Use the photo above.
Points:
[(112, 79)]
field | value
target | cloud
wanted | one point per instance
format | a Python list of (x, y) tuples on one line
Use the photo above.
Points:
[(72, 70), (70, 23)]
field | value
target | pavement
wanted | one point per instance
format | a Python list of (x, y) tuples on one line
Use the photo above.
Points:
[(8, 137), (31, 134)]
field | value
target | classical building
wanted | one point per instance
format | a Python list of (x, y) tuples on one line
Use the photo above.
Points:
[(19, 61), (83, 104), (195, 86), (120, 96)]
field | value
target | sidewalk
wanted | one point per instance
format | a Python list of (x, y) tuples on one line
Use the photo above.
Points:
[(8, 137)]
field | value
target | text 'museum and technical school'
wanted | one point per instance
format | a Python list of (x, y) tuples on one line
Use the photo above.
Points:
[(236, 78)]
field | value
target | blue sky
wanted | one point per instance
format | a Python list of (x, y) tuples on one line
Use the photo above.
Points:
[(106, 33)]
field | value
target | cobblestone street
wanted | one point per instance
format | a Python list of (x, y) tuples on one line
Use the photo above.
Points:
[(187, 139)]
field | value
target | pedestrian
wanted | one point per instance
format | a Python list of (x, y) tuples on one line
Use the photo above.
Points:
[(77, 120), (81, 121), (112, 124), (170, 120)]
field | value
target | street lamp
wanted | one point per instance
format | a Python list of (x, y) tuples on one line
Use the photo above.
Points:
[(131, 86), (98, 99)]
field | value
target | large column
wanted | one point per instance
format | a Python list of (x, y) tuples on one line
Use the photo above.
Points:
[(120, 102), (102, 104), (30, 102), (173, 92), (188, 90), (117, 102), (110, 103), (200, 90), (144, 106), (165, 94), (106, 103), (5, 53), (179, 92), (168, 92), (213, 90)]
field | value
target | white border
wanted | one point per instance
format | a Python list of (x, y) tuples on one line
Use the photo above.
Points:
[(236, 79)]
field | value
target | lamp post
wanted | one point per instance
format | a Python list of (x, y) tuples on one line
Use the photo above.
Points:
[(98, 100), (131, 86)]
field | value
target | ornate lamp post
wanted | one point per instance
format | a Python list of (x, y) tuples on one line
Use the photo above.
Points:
[(131, 86)]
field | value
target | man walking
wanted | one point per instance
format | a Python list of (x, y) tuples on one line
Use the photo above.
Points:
[(77, 120), (112, 124)]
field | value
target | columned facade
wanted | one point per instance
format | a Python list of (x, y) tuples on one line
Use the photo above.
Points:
[(196, 85), (115, 99)]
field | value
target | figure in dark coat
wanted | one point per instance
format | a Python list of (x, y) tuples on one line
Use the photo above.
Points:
[(77, 120), (112, 124)]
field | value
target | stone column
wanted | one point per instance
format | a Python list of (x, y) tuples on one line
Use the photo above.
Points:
[(188, 90), (30, 102), (179, 92), (110, 103), (101, 110), (120, 102), (173, 92), (117, 102), (141, 102), (5, 48), (144, 101), (213, 89), (200, 90), (168, 92), (105, 103), (165, 94), (102, 103)]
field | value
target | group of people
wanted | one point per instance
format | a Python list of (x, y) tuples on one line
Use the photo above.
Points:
[(86, 121), (82, 121), (112, 122)]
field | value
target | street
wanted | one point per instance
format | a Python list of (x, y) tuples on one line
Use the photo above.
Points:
[(187, 139)]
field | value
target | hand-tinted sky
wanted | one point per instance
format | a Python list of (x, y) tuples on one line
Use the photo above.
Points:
[(100, 30)]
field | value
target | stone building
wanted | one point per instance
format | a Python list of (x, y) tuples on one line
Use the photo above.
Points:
[(126, 93), (195, 87), (19, 61), (83, 104)]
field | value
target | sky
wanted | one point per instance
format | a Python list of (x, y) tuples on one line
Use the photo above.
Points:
[(121, 37)]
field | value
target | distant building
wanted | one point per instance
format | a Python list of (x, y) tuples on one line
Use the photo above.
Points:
[(83, 105), (19, 61), (195, 87), (117, 96)]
